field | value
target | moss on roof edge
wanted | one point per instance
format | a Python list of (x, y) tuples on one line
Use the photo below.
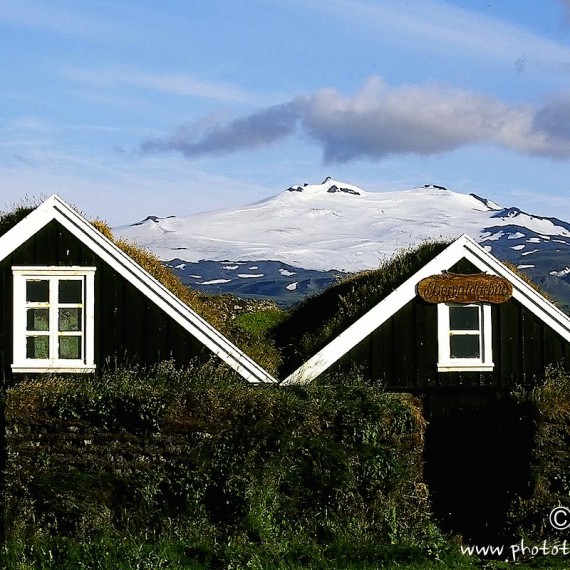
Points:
[(322, 317)]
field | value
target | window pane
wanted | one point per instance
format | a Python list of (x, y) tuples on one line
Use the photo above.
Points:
[(464, 318), (37, 291), (37, 347), (70, 347), (465, 346), (37, 319), (69, 320), (70, 291)]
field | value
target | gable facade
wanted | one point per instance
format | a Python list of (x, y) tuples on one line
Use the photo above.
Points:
[(74, 302), (409, 344)]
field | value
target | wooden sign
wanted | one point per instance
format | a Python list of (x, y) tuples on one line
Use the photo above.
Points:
[(454, 288)]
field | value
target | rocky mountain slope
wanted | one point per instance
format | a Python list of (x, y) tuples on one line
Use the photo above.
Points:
[(294, 243)]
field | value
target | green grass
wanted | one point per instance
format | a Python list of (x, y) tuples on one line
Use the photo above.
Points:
[(321, 318), (116, 552), (260, 322), (191, 468), (110, 552)]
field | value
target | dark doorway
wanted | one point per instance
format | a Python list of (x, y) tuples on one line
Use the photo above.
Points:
[(477, 460)]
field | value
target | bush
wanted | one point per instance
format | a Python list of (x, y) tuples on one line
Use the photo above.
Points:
[(196, 455), (550, 466)]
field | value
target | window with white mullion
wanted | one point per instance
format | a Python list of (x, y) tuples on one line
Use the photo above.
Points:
[(465, 331), (39, 318), (53, 319), (70, 319), (464, 337)]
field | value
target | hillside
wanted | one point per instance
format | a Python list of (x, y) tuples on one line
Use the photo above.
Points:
[(321, 318)]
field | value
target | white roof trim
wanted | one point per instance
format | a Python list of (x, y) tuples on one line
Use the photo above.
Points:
[(54, 208), (463, 247)]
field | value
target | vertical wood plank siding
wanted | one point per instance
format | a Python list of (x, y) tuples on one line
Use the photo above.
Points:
[(129, 328), (402, 353)]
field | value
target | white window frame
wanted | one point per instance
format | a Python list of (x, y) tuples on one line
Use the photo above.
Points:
[(483, 363), (22, 364)]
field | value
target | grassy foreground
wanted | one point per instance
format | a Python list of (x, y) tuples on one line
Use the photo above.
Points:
[(189, 468), (176, 553)]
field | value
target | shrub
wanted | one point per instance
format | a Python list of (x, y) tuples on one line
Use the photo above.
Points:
[(550, 467), (198, 455)]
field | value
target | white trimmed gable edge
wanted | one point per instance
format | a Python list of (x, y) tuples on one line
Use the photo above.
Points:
[(54, 208), (463, 247)]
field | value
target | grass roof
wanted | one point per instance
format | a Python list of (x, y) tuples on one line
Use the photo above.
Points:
[(216, 309), (16, 213), (306, 329), (320, 318)]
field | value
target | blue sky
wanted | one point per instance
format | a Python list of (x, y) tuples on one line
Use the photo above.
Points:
[(128, 108)]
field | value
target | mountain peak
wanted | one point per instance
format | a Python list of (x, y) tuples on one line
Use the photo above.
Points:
[(155, 219), (328, 186), (335, 225), (488, 203), (509, 213), (433, 187)]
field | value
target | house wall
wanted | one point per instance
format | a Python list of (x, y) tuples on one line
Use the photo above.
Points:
[(129, 328), (403, 352)]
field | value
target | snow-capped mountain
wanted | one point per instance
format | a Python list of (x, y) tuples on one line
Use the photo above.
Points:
[(312, 232)]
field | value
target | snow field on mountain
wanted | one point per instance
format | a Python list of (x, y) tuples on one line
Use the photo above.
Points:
[(315, 228), (293, 244)]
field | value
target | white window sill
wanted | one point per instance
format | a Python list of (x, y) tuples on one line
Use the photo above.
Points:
[(59, 368), (465, 367)]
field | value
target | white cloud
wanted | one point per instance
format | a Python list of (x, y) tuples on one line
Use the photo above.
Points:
[(382, 120), (73, 20), (173, 84), (29, 123), (440, 26), (204, 138)]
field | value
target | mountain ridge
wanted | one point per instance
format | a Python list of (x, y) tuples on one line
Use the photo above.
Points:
[(320, 231)]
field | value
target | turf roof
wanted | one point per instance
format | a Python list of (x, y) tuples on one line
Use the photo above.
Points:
[(321, 318), (9, 219)]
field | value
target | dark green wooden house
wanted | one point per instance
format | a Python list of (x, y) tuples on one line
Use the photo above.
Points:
[(460, 334), (423, 345), (73, 302)]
